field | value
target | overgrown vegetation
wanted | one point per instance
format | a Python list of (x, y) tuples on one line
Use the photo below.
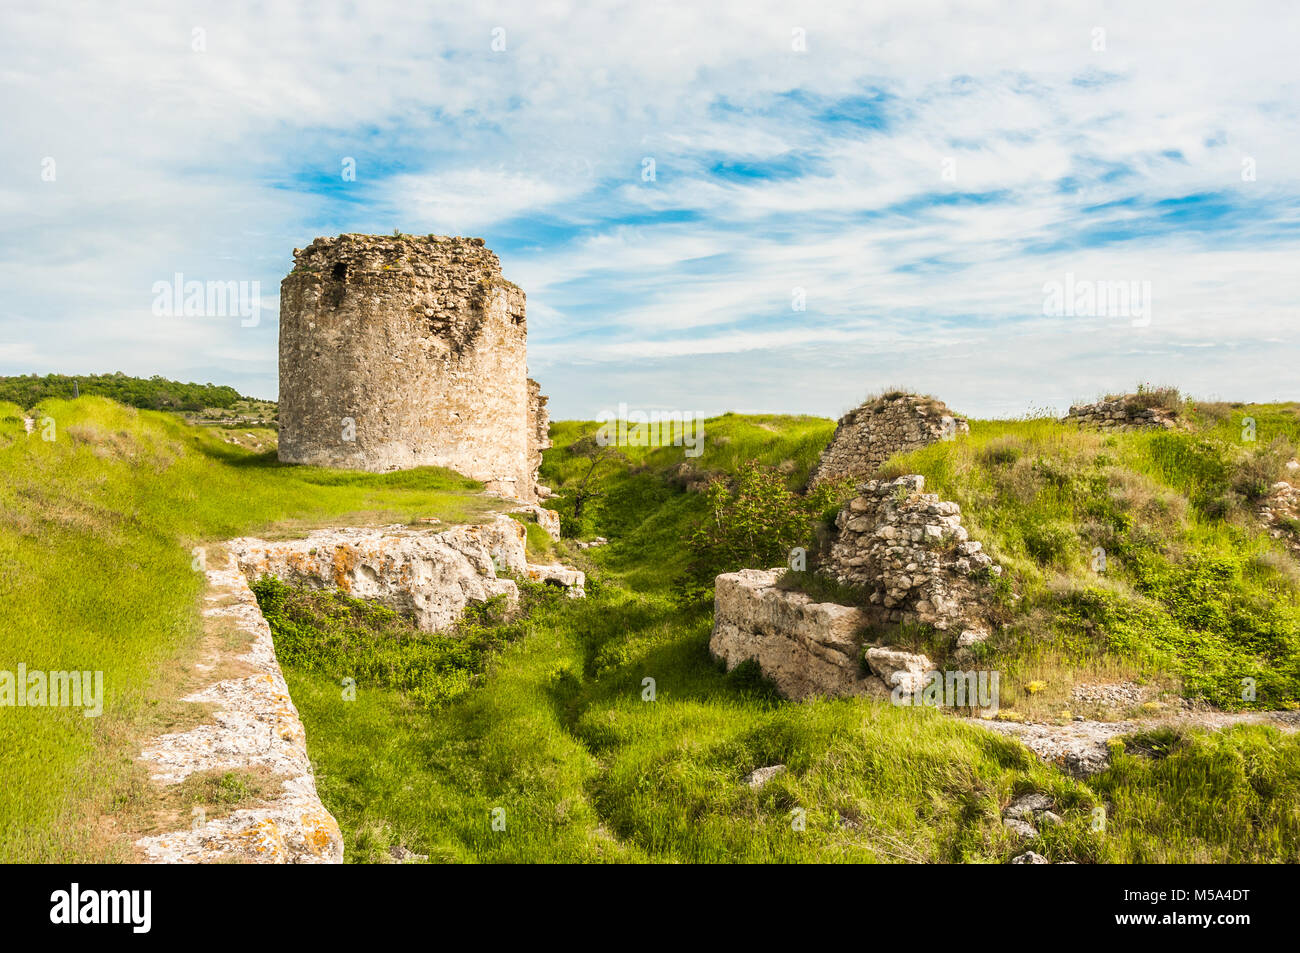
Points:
[(562, 737), (332, 634), (752, 520), (550, 718)]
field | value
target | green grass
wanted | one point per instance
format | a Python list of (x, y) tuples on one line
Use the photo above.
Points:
[(559, 735), (544, 716), (96, 532), (1191, 585)]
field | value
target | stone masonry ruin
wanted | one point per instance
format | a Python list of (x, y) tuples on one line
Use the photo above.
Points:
[(910, 551), (904, 550), (1125, 412), (910, 555), (870, 434), (406, 351)]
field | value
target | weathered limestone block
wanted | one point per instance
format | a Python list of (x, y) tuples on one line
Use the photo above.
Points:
[(405, 351), (910, 552), (899, 669), (254, 725), (426, 575), (574, 581), (804, 647), (869, 435), (548, 520)]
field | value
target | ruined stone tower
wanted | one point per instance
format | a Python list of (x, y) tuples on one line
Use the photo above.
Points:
[(893, 423), (408, 351)]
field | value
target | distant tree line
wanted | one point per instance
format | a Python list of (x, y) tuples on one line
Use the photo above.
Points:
[(155, 393)]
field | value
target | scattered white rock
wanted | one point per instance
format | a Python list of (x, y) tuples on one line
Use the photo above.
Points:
[(898, 668), (1020, 828), (760, 776), (1027, 805), (1029, 857)]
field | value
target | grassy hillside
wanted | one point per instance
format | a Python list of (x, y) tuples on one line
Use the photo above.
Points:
[(97, 528), (1190, 587), (546, 716), (560, 737)]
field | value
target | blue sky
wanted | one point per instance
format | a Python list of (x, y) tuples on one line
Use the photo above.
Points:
[(916, 172)]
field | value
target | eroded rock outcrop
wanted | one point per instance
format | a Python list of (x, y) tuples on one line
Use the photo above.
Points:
[(427, 575), (869, 435), (804, 647), (909, 551)]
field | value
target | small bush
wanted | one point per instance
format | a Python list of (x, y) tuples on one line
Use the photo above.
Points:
[(1050, 544), (1147, 397), (753, 522)]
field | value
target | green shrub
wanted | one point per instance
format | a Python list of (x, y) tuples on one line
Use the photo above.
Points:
[(752, 522), (1050, 544), (1256, 473)]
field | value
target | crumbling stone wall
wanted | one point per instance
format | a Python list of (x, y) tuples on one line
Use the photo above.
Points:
[(804, 647), (1280, 510), (404, 351), (539, 429), (1125, 412), (429, 576), (909, 550), (869, 435)]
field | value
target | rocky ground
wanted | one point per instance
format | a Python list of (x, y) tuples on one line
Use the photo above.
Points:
[(1081, 747)]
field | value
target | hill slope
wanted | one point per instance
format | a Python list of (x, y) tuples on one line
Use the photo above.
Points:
[(562, 739), (560, 732)]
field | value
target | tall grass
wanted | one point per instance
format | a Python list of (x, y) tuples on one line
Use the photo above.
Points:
[(1135, 545)]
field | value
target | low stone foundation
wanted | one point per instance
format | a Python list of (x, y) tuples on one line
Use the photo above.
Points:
[(254, 726), (804, 647), (1122, 413)]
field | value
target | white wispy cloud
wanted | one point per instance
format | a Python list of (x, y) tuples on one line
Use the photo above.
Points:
[(208, 139)]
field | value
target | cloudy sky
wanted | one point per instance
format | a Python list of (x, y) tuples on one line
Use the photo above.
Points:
[(732, 206)]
